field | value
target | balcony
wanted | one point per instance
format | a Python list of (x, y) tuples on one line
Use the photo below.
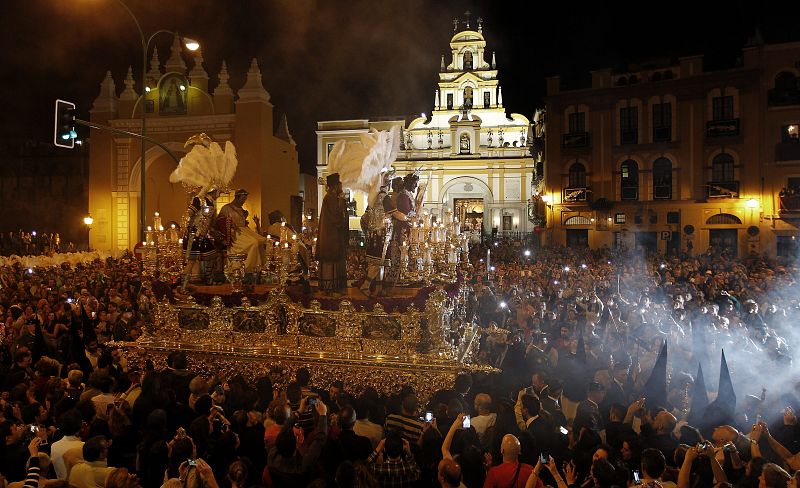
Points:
[(787, 151), (662, 134), (629, 136), (722, 128), (629, 193), (575, 140), (722, 189), (781, 98), (578, 194), (662, 192), (789, 204)]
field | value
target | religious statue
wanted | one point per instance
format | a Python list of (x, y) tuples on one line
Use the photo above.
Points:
[(198, 242), (333, 238), (240, 239), (364, 165), (206, 170), (377, 231)]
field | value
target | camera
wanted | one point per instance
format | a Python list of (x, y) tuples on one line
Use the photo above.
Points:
[(312, 401)]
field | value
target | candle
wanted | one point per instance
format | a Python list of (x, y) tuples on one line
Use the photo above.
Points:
[(427, 254)]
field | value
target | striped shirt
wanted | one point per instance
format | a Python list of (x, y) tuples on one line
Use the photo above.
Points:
[(409, 427)]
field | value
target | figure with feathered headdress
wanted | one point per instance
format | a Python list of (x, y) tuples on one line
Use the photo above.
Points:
[(206, 170)]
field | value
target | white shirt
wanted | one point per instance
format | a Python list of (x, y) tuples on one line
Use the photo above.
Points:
[(370, 430), (57, 451), (482, 423)]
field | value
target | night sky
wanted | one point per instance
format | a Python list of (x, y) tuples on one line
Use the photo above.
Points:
[(357, 58)]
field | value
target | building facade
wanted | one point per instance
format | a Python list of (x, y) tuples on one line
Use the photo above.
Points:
[(673, 157), (474, 156), (180, 104)]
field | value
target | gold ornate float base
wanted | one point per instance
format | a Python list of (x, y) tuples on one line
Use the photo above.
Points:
[(424, 349), (387, 374)]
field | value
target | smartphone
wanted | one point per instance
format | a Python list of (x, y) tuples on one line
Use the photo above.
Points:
[(563, 430), (312, 401), (543, 458), (428, 416), (636, 479), (466, 423), (192, 462)]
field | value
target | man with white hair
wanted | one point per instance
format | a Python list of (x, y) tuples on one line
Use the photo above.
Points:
[(485, 418)]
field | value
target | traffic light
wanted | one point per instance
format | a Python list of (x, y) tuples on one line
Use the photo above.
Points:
[(65, 135)]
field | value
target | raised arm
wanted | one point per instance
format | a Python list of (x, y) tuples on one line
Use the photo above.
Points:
[(448, 439)]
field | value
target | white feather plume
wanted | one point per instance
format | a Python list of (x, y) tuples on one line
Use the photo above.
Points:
[(360, 163), (206, 167)]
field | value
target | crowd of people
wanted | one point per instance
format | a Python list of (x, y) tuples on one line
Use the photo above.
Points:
[(587, 396), (29, 243)]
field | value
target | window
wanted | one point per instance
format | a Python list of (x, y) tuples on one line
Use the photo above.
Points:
[(787, 246), (722, 168), (617, 240), (629, 180), (577, 176), (662, 179), (487, 99), (662, 121), (629, 125), (791, 133), (673, 217), (785, 91), (449, 101), (467, 60), (722, 108), (619, 218), (577, 122)]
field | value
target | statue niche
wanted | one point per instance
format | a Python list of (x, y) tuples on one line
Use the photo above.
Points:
[(172, 94), (464, 144)]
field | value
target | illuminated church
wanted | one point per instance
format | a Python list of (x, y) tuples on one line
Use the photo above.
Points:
[(179, 103), (476, 155)]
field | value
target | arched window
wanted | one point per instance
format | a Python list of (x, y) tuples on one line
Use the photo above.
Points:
[(662, 179), (467, 60), (629, 180), (468, 97), (577, 176), (722, 168)]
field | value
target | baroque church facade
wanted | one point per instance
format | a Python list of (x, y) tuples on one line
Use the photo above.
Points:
[(475, 156), (179, 103)]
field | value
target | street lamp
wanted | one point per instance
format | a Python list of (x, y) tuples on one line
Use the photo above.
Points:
[(191, 45), (88, 221)]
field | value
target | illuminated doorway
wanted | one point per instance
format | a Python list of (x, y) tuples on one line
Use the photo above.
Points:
[(470, 212)]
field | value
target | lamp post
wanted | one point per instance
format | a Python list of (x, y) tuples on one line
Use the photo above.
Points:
[(88, 221), (191, 45)]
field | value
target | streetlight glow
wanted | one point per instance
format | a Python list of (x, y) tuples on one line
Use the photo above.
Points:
[(88, 220), (191, 44)]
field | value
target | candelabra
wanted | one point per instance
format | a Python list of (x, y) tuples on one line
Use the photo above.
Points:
[(434, 250), (162, 251)]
